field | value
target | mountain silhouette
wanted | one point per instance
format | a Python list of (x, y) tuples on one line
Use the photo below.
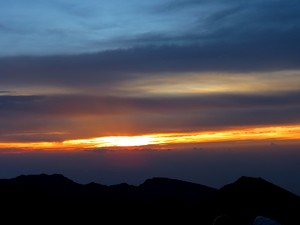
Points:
[(164, 188), (156, 199), (250, 196)]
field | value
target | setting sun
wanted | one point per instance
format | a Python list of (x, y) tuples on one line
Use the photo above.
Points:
[(113, 141)]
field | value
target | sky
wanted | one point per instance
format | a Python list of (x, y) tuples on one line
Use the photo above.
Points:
[(120, 91)]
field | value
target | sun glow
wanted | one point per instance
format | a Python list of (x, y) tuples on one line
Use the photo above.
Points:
[(115, 141), (264, 133), (246, 134)]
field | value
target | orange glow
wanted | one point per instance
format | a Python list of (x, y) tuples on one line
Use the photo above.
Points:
[(30, 145), (115, 141), (259, 134)]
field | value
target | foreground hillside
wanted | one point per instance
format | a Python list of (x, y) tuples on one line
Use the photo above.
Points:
[(157, 200)]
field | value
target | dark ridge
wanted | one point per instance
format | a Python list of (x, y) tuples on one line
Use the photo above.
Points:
[(166, 182), (96, 185), (165, 188), (247, 186), (250, 196), (157, 199), (43, 180)]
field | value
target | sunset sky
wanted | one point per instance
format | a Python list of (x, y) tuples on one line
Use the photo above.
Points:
[(176, 81)]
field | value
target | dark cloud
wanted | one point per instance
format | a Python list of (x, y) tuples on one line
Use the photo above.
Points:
[(94, 105), (232, 37), (279, 53), (220, 119), (64, 117), (216, 120), (239, 22), (6, 92)]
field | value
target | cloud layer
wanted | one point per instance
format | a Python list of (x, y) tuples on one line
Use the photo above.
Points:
[(58, 27), (62, 117), (72, 69)]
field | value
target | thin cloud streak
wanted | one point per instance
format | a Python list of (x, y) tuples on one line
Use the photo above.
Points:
[(81, 104)]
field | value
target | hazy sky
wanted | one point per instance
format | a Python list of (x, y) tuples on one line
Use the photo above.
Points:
[(178, 71)]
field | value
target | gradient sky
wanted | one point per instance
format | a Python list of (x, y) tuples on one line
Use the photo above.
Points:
[(78, 76)]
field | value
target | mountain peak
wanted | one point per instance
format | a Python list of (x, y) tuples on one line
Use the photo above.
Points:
[(251, 181), (161, 181), (43, 180), (256, 185), (245, 179), (251, 196)]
